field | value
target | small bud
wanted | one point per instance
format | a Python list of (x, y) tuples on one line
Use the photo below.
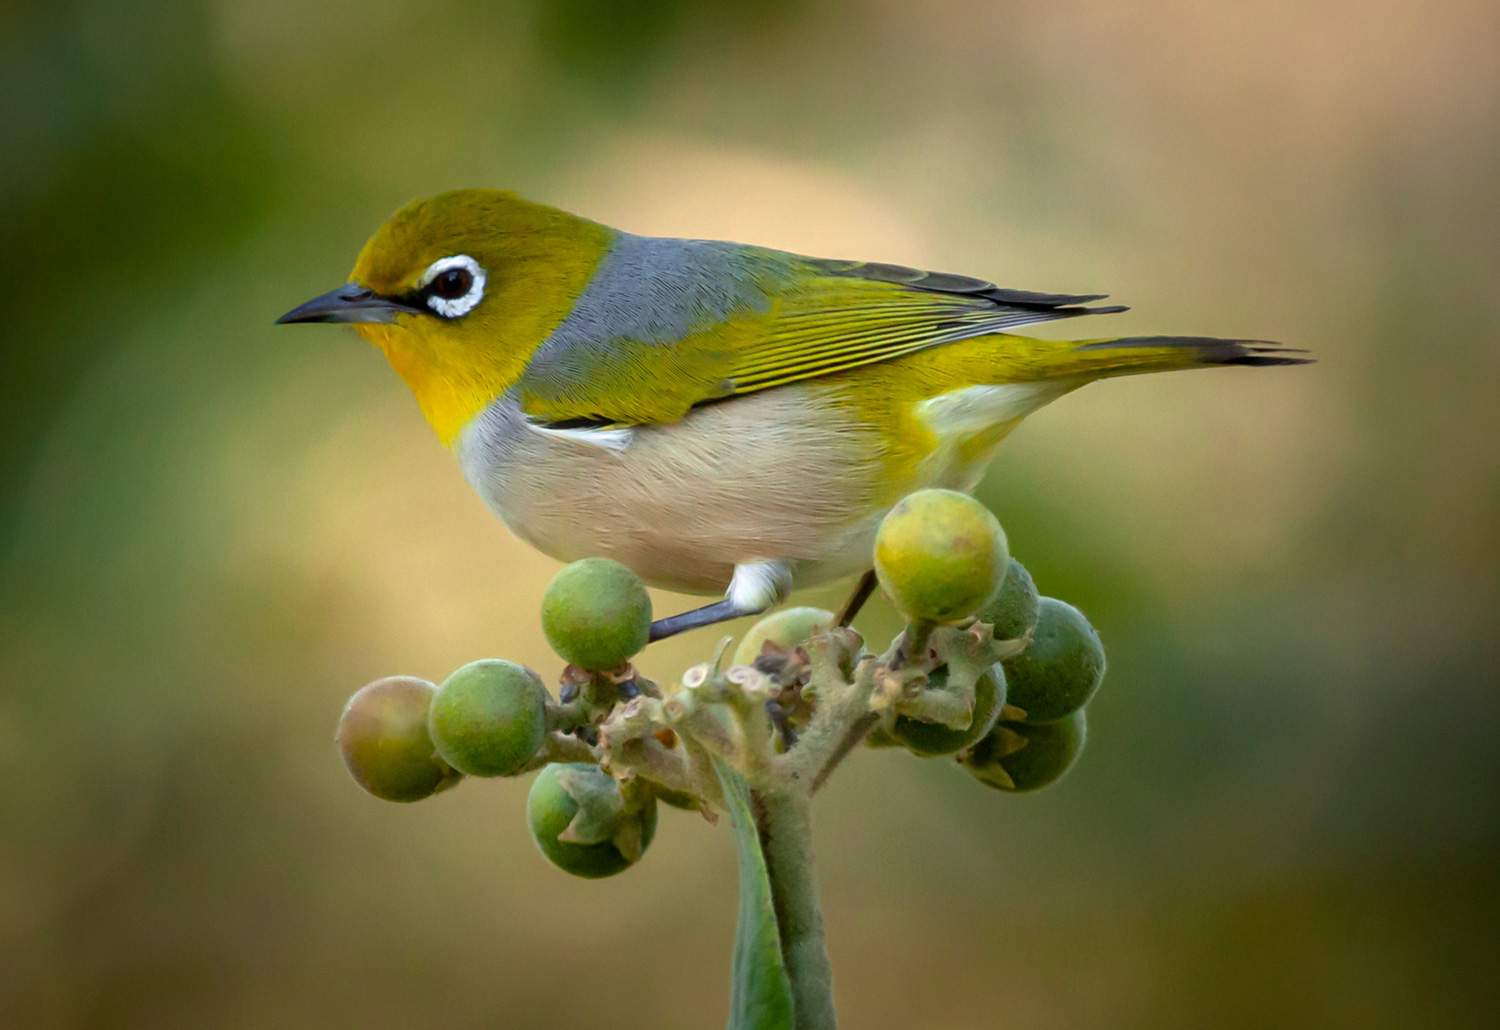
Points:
[(930, 738), (596, 614), (1013, 611), (582, 823), (785, 629), (489, 718), (745, 677), (1058, 673), (940, 555), (1018, 756), (383, 737)]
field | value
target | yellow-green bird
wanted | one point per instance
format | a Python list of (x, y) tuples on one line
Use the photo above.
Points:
[(716, 416)]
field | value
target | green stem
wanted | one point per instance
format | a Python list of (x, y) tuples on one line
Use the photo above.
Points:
[(784, 820)]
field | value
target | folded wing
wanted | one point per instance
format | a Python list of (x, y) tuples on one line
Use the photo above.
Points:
[(670, 324)]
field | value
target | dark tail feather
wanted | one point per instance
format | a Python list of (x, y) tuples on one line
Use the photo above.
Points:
[(1198, 350)]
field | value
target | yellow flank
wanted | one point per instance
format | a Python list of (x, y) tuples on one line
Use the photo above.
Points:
[(888, 395), (538, 260)]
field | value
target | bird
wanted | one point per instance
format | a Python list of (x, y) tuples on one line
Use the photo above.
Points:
[(719, 417)]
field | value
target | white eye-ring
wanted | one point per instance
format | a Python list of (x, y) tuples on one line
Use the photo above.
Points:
[(454, 285)]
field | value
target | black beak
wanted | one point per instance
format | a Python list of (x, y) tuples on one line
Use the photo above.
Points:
[(349, 303)]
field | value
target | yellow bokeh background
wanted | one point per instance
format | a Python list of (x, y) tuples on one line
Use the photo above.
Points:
[(212, 530)]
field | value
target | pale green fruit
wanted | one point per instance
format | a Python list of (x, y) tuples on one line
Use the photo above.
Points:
[(786, 629), (489, 718), (596, 614), (615, 838)]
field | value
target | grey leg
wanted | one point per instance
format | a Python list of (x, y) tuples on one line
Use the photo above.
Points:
[(719, 611), (756, 587)]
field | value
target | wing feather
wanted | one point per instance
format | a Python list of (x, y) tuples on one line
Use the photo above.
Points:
[(670, 324)]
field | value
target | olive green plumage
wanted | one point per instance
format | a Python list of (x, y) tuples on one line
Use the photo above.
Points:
[(705, 411)]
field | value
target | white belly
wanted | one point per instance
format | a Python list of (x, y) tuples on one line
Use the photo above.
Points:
[(759, 478), (780, 475)]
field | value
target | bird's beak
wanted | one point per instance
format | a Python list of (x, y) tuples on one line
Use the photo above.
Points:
[(349, 303)]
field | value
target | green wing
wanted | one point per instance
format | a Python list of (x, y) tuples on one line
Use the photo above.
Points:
[(670, 324)]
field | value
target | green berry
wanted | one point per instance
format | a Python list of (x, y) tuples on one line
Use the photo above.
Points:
[(383, 737), (1062, 668), (1018, 756), (1014, 610), (931, 738), (786, 629), (596, 614), (489, 718), (878, 737), (583, 824), (940, 555)]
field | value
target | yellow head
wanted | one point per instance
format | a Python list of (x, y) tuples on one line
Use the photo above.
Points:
[(459, 290)]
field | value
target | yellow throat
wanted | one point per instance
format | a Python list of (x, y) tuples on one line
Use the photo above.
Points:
[(537, 260)]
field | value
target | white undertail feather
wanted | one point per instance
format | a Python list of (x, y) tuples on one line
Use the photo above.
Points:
[(974, 409), (757, 586)]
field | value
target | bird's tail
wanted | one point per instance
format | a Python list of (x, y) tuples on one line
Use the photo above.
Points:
[(1131, 354)]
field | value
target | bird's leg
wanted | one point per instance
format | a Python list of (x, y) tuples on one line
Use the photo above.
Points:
[(719, 611), (756, 587), (862, 591)]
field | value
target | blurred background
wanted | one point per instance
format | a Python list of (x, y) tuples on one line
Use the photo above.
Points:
[(212, 530)]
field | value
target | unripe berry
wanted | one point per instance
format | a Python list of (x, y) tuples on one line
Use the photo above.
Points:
[(383, 737), (596, 614), (577, 800), (786, 629), (1018, 756), (1014, 609), (931, 738), (940, 555), (1061, 669), (489, 718)]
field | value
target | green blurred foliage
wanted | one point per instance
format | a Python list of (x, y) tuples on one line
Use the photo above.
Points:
[(213, 531)]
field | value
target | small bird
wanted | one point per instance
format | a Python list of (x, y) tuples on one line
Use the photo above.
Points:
[(716, 416)]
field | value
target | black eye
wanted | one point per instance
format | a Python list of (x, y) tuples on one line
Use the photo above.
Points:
[(453, 283)]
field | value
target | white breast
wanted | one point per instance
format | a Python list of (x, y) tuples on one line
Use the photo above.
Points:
[(762, 477)]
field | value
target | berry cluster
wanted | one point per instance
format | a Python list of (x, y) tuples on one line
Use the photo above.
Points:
[(985, 669)]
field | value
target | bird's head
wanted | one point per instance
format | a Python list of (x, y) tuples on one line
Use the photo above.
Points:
[(459, 290)]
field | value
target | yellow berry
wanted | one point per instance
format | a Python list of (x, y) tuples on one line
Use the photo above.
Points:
[(940, 555)]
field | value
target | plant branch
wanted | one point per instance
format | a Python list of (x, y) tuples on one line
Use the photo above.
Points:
[(783, 821)]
